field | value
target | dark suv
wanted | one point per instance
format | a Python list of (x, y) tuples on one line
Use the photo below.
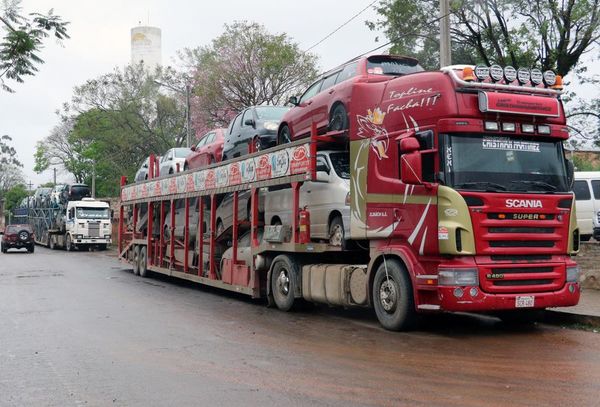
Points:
[(18, 237), (257, 125)]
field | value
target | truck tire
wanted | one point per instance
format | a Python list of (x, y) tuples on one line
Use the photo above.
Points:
[(283, 282), (143, 267), (136, 260), (393, 297), (69, 244), (31, 248)]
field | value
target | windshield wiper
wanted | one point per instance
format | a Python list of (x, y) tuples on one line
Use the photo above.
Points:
[(488, 186), (542, 184)]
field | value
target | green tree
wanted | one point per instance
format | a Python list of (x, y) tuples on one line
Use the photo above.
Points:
[(551, 34), (14, 196), (23, 38), (11, 173), (245, 66)]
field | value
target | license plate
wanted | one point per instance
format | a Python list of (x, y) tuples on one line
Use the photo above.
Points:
[(524, 301)]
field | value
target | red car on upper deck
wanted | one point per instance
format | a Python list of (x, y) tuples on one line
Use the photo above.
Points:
[(327, 101), (209, 150)]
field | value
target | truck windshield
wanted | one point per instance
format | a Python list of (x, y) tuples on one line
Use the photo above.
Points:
[(93, 213), (499, 164), (341, 164)]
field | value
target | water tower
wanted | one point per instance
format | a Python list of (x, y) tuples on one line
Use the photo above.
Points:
[(146, 46)]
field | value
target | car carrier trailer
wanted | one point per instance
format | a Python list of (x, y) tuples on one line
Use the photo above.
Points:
[(460, 201)]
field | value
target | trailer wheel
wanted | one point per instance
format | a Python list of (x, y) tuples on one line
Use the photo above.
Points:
[(143, 265), (393, 298), (136, 260), (284, 136), (69, 245), (283, 282)]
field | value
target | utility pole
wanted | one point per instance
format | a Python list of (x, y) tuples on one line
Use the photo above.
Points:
[(188, 118), (94, 179), (445, 57)]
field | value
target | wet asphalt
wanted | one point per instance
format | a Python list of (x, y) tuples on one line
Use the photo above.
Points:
[(80, 329)]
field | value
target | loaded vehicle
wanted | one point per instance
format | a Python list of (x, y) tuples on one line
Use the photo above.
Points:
[(77, 222), (327, 101), (209, 150), (173, 160), (253, 129), (18, 237), (460, 200)]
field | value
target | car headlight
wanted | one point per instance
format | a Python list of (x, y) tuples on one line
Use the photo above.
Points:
[(271, 126), (572, 274), (462, 277), (79, 237)]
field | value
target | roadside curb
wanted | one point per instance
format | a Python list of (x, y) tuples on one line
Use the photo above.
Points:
[(560, 317)]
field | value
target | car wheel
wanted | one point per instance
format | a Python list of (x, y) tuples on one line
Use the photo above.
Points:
[(393, 296), (136, 260), (256, 144), (220, 228), (338, 120), (143, 266), (212, 160), (285, 135), (186, 166), (336, 232), (69, 245), (170, 171), (31, 249), (283, 282)]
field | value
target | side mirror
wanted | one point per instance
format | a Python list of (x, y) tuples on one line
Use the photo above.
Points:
[(193, 148), (249, 122), (170, 158), (409, 145), (411, 168), (293, 100), (570, 174)]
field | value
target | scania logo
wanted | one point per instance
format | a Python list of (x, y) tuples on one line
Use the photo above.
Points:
[(523, 203)]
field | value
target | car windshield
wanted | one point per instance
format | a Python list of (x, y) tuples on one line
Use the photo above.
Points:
[(93, 213), (341, 164), (182, 152), (79, 191), (271, 112), (385, 65), (498, 164)]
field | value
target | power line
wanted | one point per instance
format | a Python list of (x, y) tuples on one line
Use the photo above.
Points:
[(342, 26)]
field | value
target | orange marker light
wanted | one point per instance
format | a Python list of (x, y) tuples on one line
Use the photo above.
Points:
[(542, 216), (468, 74), (559, 83), (501, 216)]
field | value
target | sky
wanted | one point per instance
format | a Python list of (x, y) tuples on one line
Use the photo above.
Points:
[(100, 41)]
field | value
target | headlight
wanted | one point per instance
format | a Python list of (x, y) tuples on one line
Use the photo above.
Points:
[(271, 126), (107, 236), (79, 237), (462, 277), (572, 274)]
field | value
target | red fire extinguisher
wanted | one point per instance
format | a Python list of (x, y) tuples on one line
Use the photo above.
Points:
[(304, 226)]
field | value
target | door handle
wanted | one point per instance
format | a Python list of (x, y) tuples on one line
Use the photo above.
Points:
[(331, 91), (309, 103)]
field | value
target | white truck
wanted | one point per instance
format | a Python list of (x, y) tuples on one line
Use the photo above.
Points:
[(81, 224)]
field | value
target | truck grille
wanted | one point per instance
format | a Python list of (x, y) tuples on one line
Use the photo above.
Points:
[(94, 229), (516, 278)]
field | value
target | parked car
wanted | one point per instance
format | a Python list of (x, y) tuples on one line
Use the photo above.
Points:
[(327, 200), (142, 173), (209, 150), (587, 202), (257, 125), (244, 251), (56, 195), (327, 101), (41, 197), (224, 215), (168, 162), (76, 192), (18, 237)]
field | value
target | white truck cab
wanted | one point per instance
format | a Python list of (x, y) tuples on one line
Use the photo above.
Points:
[(87, 223)]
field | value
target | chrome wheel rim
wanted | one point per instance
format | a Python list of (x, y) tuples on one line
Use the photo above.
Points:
[(388, 295), (283, 282), (336, 236)]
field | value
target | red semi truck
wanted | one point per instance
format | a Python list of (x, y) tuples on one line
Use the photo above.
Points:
[(459, 201)]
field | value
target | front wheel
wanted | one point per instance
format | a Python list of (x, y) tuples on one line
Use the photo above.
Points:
[(69, 245), (338, 119), (256, 144), (186, 166), (284, 136), (31, 248), (336, 232), (283, 282), (393, 298)]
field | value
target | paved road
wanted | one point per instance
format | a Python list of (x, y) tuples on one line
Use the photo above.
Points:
[(80, 329)]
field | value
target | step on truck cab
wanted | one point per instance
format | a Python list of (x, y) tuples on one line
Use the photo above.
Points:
[(460, 200)]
